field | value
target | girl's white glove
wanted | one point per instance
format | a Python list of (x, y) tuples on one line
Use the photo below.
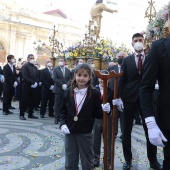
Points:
[(65, 130), (106, 107)]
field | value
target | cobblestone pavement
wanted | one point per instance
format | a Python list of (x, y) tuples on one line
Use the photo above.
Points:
[(38, 144)]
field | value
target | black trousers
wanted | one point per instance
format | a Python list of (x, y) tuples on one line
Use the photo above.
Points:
[(57, 105), (129, 112), (47, 96), (119, 115), (27, 99), (37, 96), (8, 94), (97, 137), (166, 149)]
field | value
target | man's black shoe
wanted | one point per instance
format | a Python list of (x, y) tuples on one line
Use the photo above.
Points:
[(156, 165), (96, 165), (51, 115), (56, 121), (127, 165), (42, 116), (32, 117), (22, 118), (5, 113), (10, 112), (138, 123), (11, 107), (37, 109)]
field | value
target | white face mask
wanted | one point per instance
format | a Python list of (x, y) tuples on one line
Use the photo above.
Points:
[(138, 46), (66, 66), (92, 65), (80, 63), (13, 60), (49, 64), (60, 63), (32, 61)]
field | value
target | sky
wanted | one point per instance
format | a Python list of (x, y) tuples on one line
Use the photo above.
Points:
[(119, 27)]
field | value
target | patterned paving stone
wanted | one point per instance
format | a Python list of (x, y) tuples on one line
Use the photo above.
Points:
[(38, 144)]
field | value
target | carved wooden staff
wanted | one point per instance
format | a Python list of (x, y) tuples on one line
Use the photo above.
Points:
[(115, 75), (105, 78)]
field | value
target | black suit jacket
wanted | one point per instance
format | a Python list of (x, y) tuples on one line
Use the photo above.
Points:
[(1, 71), (157, 67), (9, 76), (128, 84), (59, 79), (111, 81), (95, 80), (110, 94), (29, 74), (90, 110), (46, 78)]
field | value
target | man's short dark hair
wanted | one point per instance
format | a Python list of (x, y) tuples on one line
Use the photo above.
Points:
[(90, 61), (99, 1), (137, 35), (104, 72), (29, 55), (9, 57), (62, 58)]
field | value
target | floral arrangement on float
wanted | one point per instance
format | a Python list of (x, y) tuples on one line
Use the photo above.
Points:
[(154, 28), (104, 49)]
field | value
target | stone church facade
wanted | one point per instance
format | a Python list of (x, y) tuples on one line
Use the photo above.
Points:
[(19, 28)]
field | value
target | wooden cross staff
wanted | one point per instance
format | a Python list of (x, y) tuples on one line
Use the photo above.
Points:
[(105, 78), (116, 76)]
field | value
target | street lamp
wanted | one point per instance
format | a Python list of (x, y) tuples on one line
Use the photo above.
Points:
[(38, 47), (56, 45)]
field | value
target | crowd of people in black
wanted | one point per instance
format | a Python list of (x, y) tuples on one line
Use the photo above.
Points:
[(65, 93)]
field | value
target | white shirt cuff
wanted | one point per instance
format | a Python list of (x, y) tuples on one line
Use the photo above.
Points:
[(150, 119)]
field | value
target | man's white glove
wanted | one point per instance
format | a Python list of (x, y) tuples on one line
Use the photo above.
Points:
[(106, 107), (64, 86), (15, 84), (65, 130), (157, 86), (34, 85), (2, 78), (51, 87), (40, 83), (119, 104), (155, 135)]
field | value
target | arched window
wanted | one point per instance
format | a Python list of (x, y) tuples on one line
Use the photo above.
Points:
[(1, 46), (46, 51)]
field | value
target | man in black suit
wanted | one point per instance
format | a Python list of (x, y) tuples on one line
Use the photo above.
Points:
[(47, 87), (62, 79), (1, 82), (29, 83), (95, 81), (158, 68), (128, 91), (10, 83), (117, 68)]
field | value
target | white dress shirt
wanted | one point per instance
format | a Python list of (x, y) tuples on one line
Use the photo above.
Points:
[(79, 94), (11, 66), (136, 58)]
